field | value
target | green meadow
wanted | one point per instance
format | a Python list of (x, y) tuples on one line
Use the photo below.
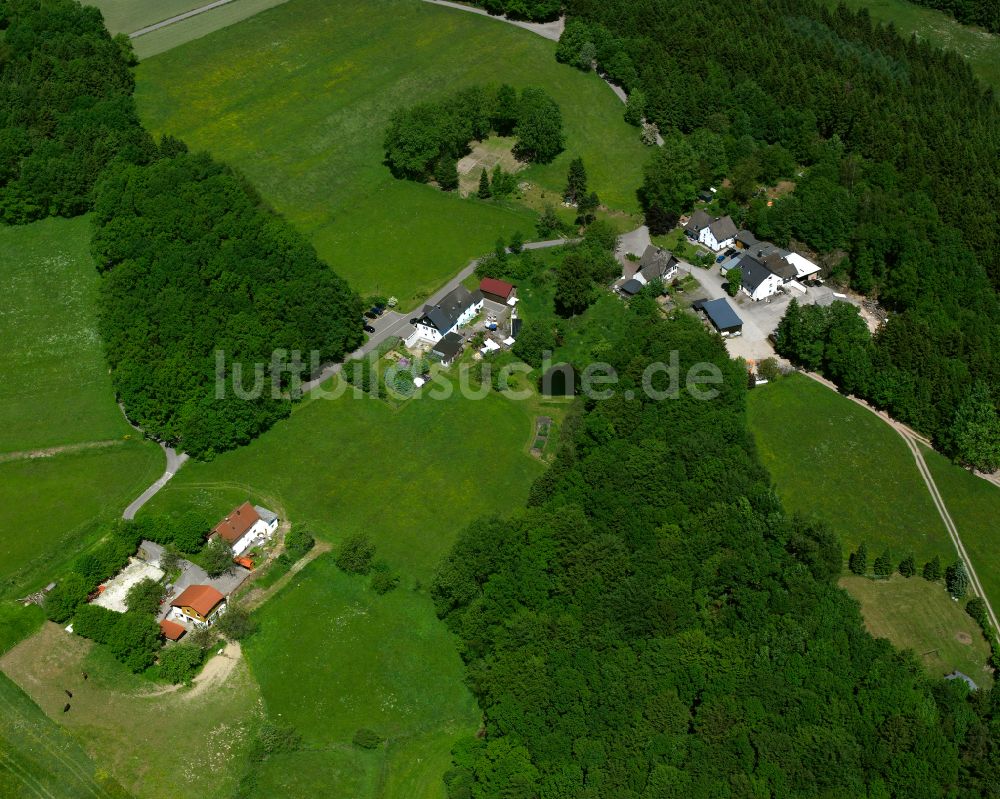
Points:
[(68, 458), (298, 98), (832, 459), (125, 16)]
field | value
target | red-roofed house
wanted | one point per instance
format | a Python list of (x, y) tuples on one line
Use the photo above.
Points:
[(497, 290), (171, 630), (198, 604), (244, 526)]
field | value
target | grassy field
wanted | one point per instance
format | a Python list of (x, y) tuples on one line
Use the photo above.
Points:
[(187, 744), (281, 97), (39, 759), (837, 461), (382, 662), (125, 16), (979, 48), (974, 505), (918, 615), (56, 387), (57, 405)]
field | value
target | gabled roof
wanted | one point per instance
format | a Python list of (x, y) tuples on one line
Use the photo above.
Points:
[(445, 314), (754, 273), (501, 288), (201, 598), (723, 228), (267, 516), (780, 267), (234, 526), (698, 222), (746, 238), (722, 314), (449, 346), (656, 263), (171, 629)]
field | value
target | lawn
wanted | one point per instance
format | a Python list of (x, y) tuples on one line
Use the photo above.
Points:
[(832, 459), (39, 759), (125, 16), (979, 48), (332, 656), (174, 743), (918, 615), (974, 505), (298, 97), (56, 387)]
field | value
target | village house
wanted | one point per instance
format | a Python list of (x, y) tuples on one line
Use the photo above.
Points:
[(657, 264), (716, 233), (448, 349), (200, 605), (245, 526), (457, 308)]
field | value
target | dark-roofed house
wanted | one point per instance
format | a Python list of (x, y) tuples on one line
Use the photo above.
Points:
[(448, 348), (457, 307), (657, 264), (497, 290), (758, 281), (745, 239), (716, 233), (722, 316)]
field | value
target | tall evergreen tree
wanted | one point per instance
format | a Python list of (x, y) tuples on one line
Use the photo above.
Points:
[(484, 192), (576, 181), (932, 569), (858, 561), (956, 579)]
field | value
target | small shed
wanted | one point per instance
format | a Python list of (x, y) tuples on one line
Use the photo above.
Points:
[(497, 290), (171, 630), (631, 287), (722, 316)]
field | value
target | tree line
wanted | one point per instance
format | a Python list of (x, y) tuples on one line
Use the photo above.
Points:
[(984, 13), (192, 260), (892, 147), (426, 140), (653, 624), (533, 10)]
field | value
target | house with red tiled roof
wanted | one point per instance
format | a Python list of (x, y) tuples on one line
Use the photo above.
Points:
[(244, 526), (200, 605), (171, 630), (497, 290)]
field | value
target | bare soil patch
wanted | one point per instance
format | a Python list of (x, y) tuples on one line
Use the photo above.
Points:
[(486, 155)]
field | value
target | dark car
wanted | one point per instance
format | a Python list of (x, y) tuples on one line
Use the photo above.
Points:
[(415, 320), (369, 329), (371, 314), (376, 310), (730, 252)]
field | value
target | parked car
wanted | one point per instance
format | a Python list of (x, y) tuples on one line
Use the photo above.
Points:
[(369, 328), (730, 252), (414, 320), (377, 310), (721, 258), (371, 314)]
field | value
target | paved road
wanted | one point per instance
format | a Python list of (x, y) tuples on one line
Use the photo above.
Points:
[(913, 439), (394, 324), (547, 30), (180, 17), (174, 462)]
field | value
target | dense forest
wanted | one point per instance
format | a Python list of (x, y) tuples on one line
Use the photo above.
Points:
[(653, 625), (193, 264), (534, 10), (985, 13), (893, 146), (66, 108), (193, 261)]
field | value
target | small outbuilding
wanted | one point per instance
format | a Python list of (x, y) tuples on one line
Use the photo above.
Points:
[(497, 290), (171, 630), (722, 316), (448, 348), (630, 287)]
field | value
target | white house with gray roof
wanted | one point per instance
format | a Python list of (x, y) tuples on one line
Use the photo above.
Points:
[(457, 308)]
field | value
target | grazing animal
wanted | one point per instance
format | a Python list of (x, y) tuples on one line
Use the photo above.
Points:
[(68, 693), (66, 707), (85, 675)]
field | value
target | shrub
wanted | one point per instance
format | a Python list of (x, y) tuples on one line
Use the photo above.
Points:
[(181, 662), (298, 542), (216, 557), (356, 554), (932, 570), (236, 623), (62, 601), (858, 561), (144, 597), (883, 564), (976, 608), (768, 369), (367, 739), (95, 623), (907, 566), (383, 578), (135, 640)]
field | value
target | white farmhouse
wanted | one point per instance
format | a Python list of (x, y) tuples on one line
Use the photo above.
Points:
[(457, 308), (716, 234), (245, 526)]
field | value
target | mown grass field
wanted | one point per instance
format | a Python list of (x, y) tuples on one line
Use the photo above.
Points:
[(833, 459), (918, 615), (57, 394), (125, 16), (187, 744), (974, 505), (299, 96), (331, 657), (980, 48), (56, 388)]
